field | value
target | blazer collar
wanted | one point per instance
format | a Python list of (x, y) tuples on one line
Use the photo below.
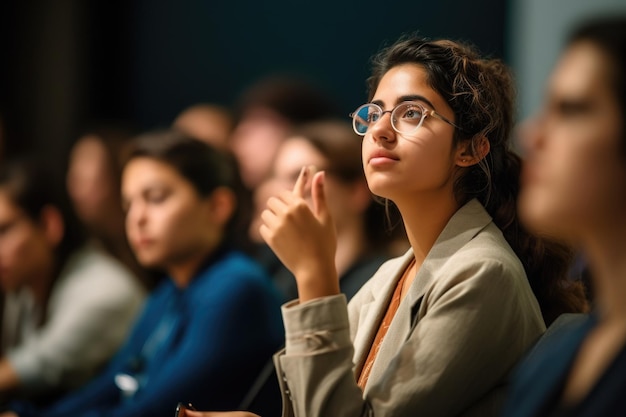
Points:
[(464, 225), (461, 228)]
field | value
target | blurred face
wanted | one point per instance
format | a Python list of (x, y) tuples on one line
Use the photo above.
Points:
[(395, 165), (209, 124), (89, 181), (23, 246), (574, 179), (255, 141), (295, 153), (167, 221)]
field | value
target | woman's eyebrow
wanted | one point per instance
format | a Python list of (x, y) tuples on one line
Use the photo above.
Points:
[(410, 97), (415, 97)]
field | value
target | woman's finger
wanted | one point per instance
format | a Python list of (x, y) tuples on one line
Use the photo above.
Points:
[(300, 185)]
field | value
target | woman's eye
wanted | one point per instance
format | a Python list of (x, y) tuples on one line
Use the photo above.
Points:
[(373, 117), (574, 108), (412, 114), (157, 196)]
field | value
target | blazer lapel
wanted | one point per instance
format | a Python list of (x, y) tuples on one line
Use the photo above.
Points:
[(462, 227), (372, 310)]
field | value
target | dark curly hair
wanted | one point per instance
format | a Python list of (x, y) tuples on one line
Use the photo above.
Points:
[(481, 93)]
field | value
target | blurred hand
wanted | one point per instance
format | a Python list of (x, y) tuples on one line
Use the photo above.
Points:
[(303, 237), (12, 414)]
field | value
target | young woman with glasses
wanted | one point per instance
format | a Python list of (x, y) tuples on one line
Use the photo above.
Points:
[(434, 332)]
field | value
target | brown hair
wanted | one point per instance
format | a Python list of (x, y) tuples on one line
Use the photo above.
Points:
[(481, 94)]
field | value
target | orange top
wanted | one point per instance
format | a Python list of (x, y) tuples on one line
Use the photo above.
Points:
[(384, 326)]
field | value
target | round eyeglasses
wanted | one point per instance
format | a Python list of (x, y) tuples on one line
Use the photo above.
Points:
[(406, 117)]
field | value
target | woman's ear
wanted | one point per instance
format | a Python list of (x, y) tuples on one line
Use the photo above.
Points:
[(52, 224), (472, 151), (223, 203)]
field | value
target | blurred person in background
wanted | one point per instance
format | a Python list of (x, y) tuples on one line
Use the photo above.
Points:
[(208, 122), (93, 184), (574, 189), (207, 330), (266, 113), (362, 239), (68, 305)]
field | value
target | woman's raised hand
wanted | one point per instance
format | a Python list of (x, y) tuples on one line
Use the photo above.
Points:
[(303, 237)]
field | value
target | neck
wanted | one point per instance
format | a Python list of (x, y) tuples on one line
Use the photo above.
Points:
[(183, 272), (607, 264), (425, 219)]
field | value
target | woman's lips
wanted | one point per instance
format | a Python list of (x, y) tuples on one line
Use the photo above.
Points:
[(382, 157), (142, 242)]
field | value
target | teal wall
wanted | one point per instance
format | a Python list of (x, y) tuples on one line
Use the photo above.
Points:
[(199, 50), (535, 36), (67, 62)]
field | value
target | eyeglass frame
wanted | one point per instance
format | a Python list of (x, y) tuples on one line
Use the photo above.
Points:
[(425, 113)]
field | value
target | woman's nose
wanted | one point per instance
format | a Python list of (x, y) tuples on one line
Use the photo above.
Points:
[(382, 130), (135, 214)]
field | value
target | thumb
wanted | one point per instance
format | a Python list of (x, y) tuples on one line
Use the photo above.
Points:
[(318, 195)]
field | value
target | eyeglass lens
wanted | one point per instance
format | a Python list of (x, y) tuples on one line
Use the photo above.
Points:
[(405, 118)]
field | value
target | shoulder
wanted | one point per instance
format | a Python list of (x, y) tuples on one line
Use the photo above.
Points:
[(90, 273), (234, 273), (486, 255), (482, 271), (541, 372), (233, 264), (93, 264), (561, 338)]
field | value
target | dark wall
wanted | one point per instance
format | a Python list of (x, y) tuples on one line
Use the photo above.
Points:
[(204, 50), (67, 62)]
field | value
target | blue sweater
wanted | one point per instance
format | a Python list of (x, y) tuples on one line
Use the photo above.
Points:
[(204, 344)]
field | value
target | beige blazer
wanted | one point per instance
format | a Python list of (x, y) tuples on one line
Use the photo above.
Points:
[(468, 317)]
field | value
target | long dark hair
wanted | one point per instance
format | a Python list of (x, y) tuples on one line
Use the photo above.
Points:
[(480, 92), (206, 168)]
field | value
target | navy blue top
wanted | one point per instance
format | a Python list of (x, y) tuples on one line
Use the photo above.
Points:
[(203, 344), (540, 379)]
